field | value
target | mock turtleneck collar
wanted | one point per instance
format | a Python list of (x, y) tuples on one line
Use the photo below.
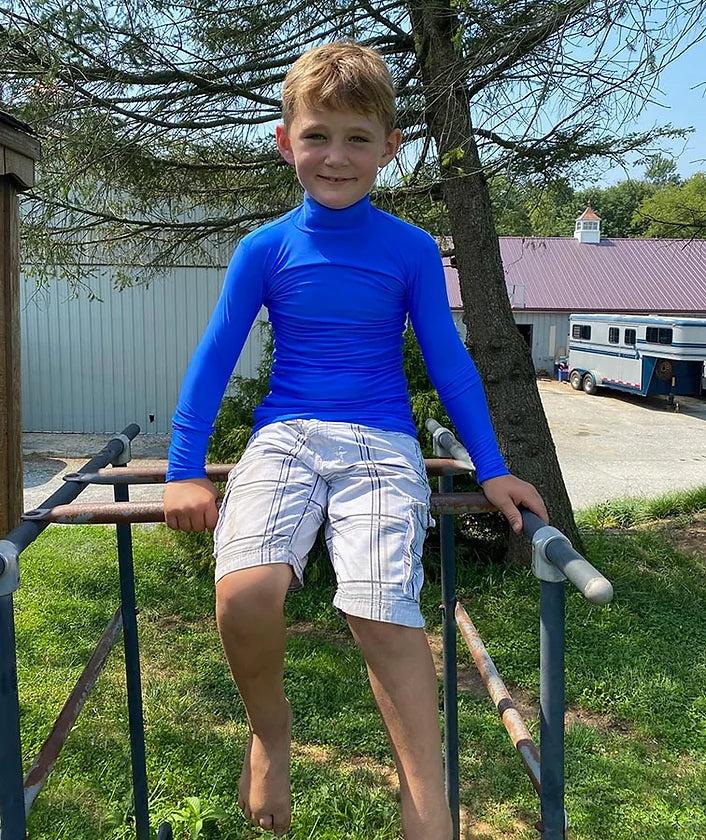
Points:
[(314, 216)]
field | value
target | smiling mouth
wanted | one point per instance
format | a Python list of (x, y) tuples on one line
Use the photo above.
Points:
[(331, 180)]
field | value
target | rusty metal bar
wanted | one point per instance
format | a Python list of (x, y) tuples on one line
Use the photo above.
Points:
[(219, 472), (99, 513), (511, 718), (44, 763), (112, 513), (460, 503), (141, 475), (446, 466)]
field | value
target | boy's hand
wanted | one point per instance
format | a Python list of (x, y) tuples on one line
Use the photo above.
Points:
[(190, 505), (506, 492)]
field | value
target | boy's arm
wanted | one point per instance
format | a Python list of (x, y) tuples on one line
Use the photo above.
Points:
[(212, 364), (189, 497), (456, 378)]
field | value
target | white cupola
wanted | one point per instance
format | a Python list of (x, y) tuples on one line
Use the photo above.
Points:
[(588, 227)]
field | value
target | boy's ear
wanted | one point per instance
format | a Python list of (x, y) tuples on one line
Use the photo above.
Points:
[(392, 146), (283, 143)]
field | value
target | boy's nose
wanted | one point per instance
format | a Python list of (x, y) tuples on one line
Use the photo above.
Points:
[(336, 155)]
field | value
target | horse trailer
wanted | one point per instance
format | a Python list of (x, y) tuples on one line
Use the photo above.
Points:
[(639, 354)]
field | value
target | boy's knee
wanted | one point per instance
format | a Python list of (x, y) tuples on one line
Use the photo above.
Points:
[(382, 634), (251, 595)]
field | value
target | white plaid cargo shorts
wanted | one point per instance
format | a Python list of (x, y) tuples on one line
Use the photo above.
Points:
[(370, 488)]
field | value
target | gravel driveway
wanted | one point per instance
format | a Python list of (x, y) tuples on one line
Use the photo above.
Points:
[(609, 446)]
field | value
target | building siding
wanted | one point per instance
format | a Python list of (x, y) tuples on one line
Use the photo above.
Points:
[(97, 365), (547, 343), (550, 332)]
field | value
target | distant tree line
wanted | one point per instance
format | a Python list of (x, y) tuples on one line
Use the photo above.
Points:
[(660, 204)]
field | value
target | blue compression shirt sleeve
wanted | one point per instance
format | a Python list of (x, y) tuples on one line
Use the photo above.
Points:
[(212, 364), (451, 369)]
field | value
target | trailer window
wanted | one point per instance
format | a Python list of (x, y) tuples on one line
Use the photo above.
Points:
[(659, 335), (581, 331), (613, 335), (630, 337)]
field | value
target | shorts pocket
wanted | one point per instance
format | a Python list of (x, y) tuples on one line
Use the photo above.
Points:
[(418, 520), (223, 510)]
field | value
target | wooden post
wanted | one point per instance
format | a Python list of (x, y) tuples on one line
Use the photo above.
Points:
[(18, 152)]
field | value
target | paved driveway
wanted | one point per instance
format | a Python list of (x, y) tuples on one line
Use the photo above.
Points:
[(613, 445), (609, 446), (48, 457)]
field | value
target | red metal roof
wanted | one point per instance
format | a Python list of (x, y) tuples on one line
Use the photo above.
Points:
[(589, 214), (617, 275)]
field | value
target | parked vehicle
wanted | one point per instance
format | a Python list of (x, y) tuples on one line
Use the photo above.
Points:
[(640, 354)]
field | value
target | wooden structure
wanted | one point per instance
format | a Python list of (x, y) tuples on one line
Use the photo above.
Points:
[(19, 150)]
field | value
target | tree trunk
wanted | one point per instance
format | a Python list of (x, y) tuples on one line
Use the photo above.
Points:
[(500, 352)]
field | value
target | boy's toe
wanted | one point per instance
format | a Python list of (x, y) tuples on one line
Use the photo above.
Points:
[(281, 828)]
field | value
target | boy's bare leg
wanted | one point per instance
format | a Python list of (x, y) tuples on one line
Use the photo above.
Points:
[(403, 680), (249, 611)]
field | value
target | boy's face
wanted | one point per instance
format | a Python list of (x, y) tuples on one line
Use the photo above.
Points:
[(337, 154)]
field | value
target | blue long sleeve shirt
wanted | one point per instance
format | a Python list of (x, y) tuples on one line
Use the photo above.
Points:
[(338, 286)]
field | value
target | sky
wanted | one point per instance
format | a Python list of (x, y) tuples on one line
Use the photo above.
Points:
[(681, 101)]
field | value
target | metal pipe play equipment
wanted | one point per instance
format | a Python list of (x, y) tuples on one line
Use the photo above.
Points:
[(554, 560)]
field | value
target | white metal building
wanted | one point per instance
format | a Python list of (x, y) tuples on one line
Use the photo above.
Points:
[(97, 365)]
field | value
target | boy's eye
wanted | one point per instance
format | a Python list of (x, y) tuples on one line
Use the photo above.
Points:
[(358, 139), (314, 135)]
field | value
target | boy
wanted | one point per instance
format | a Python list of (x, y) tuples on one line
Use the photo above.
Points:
[(334, 440)]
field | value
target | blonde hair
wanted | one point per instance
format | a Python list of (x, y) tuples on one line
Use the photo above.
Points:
[(340, 76)]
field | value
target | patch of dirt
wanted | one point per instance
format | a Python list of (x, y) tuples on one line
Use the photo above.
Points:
[(473, 828), (307, 629), (384, 774), (689, 539), (470, 681)]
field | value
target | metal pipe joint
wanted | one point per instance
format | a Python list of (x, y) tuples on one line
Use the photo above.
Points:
[(446, 445), (9, 568), (125, 455), (554, 559), (542, 566)]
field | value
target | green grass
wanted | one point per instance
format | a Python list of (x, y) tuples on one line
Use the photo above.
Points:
[(636, 687), (625, 513)]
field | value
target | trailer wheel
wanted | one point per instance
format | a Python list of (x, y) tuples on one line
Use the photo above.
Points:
[(664, 369), (575, 380), (589, 384)]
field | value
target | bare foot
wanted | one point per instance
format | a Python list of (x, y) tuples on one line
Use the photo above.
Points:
[(264, 794)]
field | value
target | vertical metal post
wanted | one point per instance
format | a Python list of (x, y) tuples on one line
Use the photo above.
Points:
[(448, 608), (551, 707), (12, 802), (132, 671)]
